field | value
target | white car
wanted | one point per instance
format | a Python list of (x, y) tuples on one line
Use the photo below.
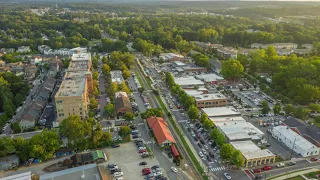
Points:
[(159, 173), (174, 169), (119, 178), (206, 147), (200, 154), (142, 148), (118, 174), (227, 175), (280, 165)]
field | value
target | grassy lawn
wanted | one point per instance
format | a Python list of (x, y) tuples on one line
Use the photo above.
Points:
[(184, 142), (296, 178), (126, 139), (139, 78), (312, 174)]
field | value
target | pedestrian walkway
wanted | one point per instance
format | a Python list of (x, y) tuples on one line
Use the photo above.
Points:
[(294, 174), (217, 169)]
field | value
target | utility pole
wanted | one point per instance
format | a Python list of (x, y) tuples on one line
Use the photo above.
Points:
[(292, 148)]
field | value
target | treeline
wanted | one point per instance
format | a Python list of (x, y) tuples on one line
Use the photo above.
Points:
[(12, 94)]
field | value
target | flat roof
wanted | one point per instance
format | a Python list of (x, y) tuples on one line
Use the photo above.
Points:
[(237, 130), (221, 111), (188, 80), (73, 84), (222, 119), (116, 76), (179, 63), (251, 151), (88, 172), (193, 92), (21, 176), (204, 97), (209, 77), (294, 137)]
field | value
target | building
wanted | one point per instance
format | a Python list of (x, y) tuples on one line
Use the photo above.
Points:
[(7, 50), (194, 69), (284, 52), (81, 159), (211, 79), (275, 45), (33, 114), (227, 53), (239, 130), (170, 57), (192, 92), (302, 51), (161, 131), (221, 112), (54, 67), (122, 103), (223, 119), (178, 64), (116, 76), (294, 141), (253, 155), (188, 82), (73, 95), (210, 100), (24, 49), (307, 46), (21, 176), (9, 162), (88, 172), (36, 60)]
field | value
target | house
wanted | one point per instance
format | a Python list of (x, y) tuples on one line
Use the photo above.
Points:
[(24, 49), (42, 48), (33, 114), (307, 46), (284, 52), (275, 45), (122, 103), (30, 72), (7, 50), (54, 67), (161, 131), (81, 159), (227, 53), (2, 63), (36, 60)]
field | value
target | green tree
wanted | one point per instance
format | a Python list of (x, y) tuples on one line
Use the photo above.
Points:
[(277, 109), (128, 116), (300, 113), (104, 60), (16, 127), (95, 75), (231, 69), (157, 112), (169, 79), (106, 139), (106, 69), (218, 137), (93, 103), (289, 108), (114, 88), (314, 107), (203, 117), (126, 74), (22, 148), (237, 158), (109, 110), (243, 59), (193, 112), (208, 124), (97, 135), (8, 107), (124, 87), (124, 131), (6, 146), (44, 145), (227, 151), (265, 109)]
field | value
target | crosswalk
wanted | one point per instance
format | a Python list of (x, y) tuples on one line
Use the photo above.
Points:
[(148, 142), (217, 169)]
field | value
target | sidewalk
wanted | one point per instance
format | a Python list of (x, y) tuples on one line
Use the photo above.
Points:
[(290, 175)]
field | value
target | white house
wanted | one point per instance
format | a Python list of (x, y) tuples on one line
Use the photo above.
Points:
[(294, 141), (24, 49), (36, 60)]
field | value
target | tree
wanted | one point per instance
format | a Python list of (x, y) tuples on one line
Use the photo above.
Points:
[(193, 112), (169, 79), (16, 127), (203, 117), (277, 109), (109, 110), (106, 139), (44, 145), (226, 151), (237, 158), (104, 60), (106, 69), (93, 103), (128, 116), (231, 69), (265, 109), (289, 108), (218, 137), (156, 112), (22, 148), (97, 135), (124, 131), (243, 59), (114, 88), (6, 146), (124, 87), (314, 107), (208, 124), (126, 73), (300, 113), (8, 107)]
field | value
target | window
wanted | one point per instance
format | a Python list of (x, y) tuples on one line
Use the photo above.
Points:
[(59, 102)]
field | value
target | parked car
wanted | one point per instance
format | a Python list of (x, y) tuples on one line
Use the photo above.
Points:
[(227, 175), (280, 165), (155, 167), (116, 145), (292, 163), (117, 174), (259, 176), (143, 163), (115, 170), (112, 165), (314, 159), (266, 168), (174, 169)]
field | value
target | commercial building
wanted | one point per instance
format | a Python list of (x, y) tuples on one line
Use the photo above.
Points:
[(122, 103), (239, 130), (223, 119), (161, 131), (116, 76), (275, 45), (210, 100), (221, 112), (170, 57), (73, 95), (194, 69), (211, 78), (294, 141), (253, 155), (188, 82)]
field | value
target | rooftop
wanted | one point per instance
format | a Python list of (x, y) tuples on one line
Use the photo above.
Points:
[(116, 76), (209, 77), (221, 111), (294, 137), (73, 84), (21, 176), (188, 80), (204, 97), (251, 151), (80, 61), (160, 129), (88, 172), (178, 63), (223, 119), (193, 92), (238, 130)]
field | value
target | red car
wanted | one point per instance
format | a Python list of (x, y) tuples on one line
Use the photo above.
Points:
[(314, 159), (146, 171), (257, 171), (142, 151), (266, 168)]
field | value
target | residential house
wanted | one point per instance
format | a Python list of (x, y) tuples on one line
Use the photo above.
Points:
[(284, 52), (24, 49), (307, 46), (161, 131), (33, 114), (227, 53), (54, 67), (275, 45), (36, 60), (7, 50), (42, 48), (122, 103), (16, 67), (30, 72)]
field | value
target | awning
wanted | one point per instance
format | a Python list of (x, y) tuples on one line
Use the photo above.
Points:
[(174, 151)]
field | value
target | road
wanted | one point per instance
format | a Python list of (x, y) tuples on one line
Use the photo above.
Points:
[(102, 89)]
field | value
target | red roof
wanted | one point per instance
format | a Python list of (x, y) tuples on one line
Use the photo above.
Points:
[(160, 129), (174, 151)]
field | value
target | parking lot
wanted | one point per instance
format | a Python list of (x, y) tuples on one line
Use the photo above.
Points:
[(253, 98), (127, 159)]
